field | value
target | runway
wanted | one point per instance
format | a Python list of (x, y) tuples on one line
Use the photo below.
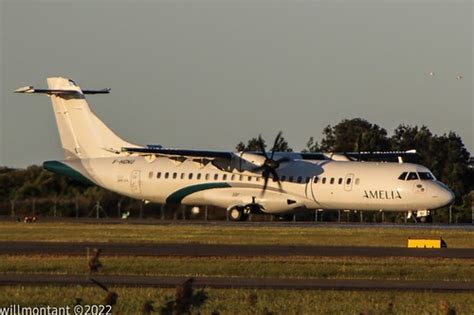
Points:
[(227, 283), (207, 250)]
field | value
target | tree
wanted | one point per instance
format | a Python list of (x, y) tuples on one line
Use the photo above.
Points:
[(253, 145), (354, 135), (312, 146)]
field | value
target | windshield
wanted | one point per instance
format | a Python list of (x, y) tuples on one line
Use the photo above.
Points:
[(425, 176)]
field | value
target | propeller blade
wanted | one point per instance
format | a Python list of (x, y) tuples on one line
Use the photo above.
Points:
[(275, 144), (262, 146), (266, 175), (277, 179)]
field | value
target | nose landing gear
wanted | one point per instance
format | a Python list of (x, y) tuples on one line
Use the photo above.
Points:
[(425, 216)]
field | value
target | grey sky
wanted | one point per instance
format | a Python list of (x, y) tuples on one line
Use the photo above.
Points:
[(207, 74)]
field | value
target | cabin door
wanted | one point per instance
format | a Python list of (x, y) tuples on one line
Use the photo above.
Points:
[(135, 182)]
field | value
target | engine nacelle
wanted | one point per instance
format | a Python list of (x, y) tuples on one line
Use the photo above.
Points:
[(252, 158)]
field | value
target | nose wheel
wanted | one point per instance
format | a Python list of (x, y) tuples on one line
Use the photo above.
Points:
[(424, 216)]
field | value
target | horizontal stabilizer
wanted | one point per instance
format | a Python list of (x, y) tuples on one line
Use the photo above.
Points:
[(30, 89)]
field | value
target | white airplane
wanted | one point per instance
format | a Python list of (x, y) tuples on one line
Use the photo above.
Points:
[(276, 183)]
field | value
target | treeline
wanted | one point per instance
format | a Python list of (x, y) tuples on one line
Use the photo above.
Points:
[(445, 155)]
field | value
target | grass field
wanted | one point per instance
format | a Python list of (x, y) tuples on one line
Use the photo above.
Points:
[(253, 267), (230, 301), (245, 301), (248, 234)]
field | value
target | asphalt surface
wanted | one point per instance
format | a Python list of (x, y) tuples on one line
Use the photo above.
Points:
[(205, 250), (214, 282)]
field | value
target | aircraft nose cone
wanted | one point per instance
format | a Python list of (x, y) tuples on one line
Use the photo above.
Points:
[(449, 196), (446, 196)]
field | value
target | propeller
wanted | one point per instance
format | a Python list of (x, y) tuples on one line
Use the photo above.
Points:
[(270, 165)]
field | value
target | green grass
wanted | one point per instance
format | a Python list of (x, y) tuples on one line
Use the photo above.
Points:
[(257, 267), (232, 301), (248, 234)]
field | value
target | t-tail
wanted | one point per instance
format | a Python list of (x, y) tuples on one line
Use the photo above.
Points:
[(83, 135)]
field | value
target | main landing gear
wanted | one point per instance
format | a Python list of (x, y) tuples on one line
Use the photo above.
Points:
[(238, 213)]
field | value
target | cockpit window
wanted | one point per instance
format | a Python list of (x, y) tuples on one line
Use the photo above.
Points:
[(412, 176), (403, 176), (425, 176)]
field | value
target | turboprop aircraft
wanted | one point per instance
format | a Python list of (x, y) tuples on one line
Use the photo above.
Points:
[(277, 183)]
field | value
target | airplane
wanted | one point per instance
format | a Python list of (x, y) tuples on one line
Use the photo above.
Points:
[(261, 182)]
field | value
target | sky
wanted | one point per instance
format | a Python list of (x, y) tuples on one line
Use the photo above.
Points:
[(207, 74)]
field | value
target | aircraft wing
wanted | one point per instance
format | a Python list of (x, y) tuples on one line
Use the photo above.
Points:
[(382, 156), (388, 156), (181, 153), (385, 156)]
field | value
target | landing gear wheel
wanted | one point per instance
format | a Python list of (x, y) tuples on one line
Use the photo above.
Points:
[(285, 217), (238, 214), (426, 219)]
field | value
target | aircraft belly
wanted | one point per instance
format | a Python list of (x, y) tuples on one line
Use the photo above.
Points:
[(225, 197)]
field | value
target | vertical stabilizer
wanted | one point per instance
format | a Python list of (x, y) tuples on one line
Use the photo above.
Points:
[(82, 133)]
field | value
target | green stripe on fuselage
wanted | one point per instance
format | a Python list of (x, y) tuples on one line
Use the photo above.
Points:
[(63, 169), (179, 195)]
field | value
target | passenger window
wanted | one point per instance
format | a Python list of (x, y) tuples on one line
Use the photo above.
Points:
[(402, 176), (412, 176), (339, 181), (175, 175), (232, 177), (250, 178), (308, 179), (224, 177), (216, 176), (348, 181), (158, 175), (316, 179), (150, 175), (357, 181), (299, 179), (167, 175), (290, 179), (324, 180), (241, 177), (190, 176), (332, 180), (198, 176), (182, 175), (283, 178), (207, 176), (257, 179)]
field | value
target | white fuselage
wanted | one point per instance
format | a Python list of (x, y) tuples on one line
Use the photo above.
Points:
[(306, 184)]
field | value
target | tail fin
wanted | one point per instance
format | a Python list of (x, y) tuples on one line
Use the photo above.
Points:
[(82, 133)]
